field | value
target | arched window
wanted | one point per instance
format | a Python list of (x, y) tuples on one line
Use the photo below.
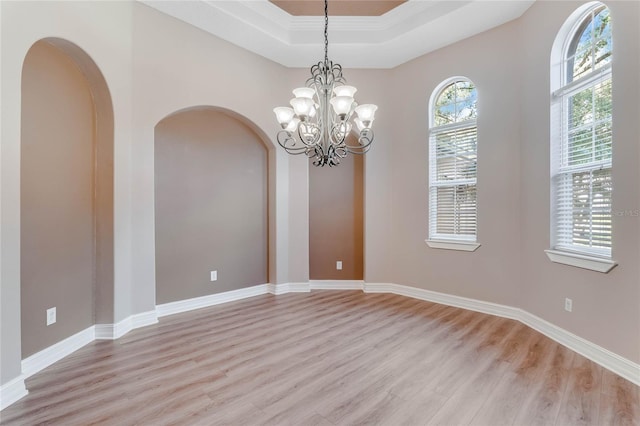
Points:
[(452, 161), (581, 136)]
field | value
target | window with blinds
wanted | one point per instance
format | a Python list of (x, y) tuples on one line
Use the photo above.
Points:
[(581, 149), (453, 162)]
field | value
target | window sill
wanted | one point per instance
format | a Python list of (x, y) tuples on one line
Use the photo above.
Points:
[(452, 245), (592, 263)]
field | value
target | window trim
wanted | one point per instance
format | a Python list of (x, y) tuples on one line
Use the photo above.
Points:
[(453, 245), (581, 260), (590, 258), (449, 241)]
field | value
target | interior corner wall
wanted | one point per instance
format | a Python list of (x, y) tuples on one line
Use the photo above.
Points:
[(510, 68), (210, 205), (492, 61), (336, 220), (376, 86), (606, 307)]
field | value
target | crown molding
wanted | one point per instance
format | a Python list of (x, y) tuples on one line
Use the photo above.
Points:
[(410, 30)]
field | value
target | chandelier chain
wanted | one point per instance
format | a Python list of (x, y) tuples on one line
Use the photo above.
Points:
[(326, 31)]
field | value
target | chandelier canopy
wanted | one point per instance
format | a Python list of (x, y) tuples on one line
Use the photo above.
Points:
[(323, 114)]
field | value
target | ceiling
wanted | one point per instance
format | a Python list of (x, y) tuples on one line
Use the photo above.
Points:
[(337, 8), (409, 30)]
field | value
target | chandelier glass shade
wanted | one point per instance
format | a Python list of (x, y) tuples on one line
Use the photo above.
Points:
[(323, 115)]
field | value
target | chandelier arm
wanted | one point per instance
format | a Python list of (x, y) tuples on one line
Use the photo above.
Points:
[(364, 142), (288, 142), (309, 128), (335, 137)]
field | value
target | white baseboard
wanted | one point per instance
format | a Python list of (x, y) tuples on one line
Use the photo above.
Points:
[(119, 329), (609, 360), (41, 360), (444, 299), (211, 300), (12, 391), (15, 389), (288, 288), (336, 284)]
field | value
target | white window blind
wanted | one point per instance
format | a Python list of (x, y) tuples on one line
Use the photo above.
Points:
[(582, 141), (453, 163)]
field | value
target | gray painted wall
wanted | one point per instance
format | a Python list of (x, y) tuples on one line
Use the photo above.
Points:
[(210, 205), (336, 220), (57, 189)]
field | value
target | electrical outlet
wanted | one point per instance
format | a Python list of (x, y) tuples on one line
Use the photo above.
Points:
[(339, 265), (51, 316), (214, 275), (568, 304)]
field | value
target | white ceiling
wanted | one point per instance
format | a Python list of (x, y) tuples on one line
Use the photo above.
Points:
[(406, 32)]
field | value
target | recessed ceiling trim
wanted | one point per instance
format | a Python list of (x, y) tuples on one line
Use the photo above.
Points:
[(410, 30)]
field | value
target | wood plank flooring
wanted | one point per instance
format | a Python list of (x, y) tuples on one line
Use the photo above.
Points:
[(328, 358)]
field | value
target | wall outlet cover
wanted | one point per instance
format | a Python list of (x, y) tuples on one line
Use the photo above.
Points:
[(214, 275), (568, 304), (339, 265), (51, 316)]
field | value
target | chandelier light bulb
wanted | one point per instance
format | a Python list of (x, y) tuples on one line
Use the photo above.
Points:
[(302, 107), (345, 91), (341, 105), (304, 92), (283, 115), (366, 112), (293, 124)]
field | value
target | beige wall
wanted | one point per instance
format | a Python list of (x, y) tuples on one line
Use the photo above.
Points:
[(210, 205), (492, 61), (181, 67), (336, 220), (57, 189), (606, 307), (510, 67), (102, 33)]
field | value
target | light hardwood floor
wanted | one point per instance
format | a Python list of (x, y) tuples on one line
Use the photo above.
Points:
[(325, 358)]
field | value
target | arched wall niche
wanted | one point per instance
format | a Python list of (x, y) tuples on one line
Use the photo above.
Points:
[(66, 210), (212, 203)]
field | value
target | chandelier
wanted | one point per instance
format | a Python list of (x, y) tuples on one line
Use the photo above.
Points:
[(323, 114)]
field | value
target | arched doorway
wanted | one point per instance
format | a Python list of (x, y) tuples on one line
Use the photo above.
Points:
[(66, 190), (211, 204)]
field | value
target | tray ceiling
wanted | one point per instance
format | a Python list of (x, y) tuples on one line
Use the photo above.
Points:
[(337, 8), (409, 30)]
